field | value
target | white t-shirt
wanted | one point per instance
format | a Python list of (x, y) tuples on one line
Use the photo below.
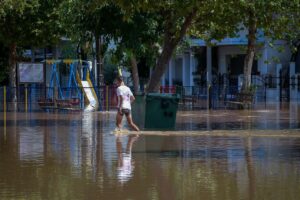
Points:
[(126, 93)]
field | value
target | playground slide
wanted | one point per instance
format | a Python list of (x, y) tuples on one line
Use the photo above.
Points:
[(91, 103), (90, 95)]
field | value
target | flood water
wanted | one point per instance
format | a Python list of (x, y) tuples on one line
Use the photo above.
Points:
[(60, 155)]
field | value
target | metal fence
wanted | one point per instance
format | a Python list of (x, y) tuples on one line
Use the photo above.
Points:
[(36, 98), (226, 88), (199, 97)]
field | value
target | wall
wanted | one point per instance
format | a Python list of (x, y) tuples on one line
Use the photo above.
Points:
[(223, 51), (267, 63), (266, 55)]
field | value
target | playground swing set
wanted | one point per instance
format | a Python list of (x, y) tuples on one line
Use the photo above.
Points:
[(70, 99)]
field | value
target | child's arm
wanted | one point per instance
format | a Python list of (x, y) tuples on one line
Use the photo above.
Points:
[(132, 99), (121, 103)]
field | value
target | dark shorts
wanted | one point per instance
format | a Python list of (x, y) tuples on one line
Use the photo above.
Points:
[(127, 112)]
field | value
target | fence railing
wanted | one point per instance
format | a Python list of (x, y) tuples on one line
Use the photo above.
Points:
[(36, 98), (33, 98), (267, 89)]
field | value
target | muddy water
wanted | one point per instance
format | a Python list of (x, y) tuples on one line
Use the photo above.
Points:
[(76, 156)]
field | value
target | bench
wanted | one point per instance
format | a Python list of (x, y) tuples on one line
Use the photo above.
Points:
[(189, 99), (67, 103), (241, 101)]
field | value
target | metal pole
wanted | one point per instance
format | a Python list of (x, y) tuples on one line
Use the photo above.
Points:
[(209, 97), (4, 111), (280, 88), (26, 98), (107, 98), (4, 104), (30, 94)]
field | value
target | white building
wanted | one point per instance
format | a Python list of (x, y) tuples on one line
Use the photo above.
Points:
[(226, 57)]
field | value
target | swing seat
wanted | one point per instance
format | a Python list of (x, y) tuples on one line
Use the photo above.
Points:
[(63, 103), (46, 103), (74, 101), (67, 103)]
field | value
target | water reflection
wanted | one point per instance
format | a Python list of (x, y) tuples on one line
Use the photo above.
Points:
[(125, 162), (4, 125), (270, 119), (75, 156), (250, 167)]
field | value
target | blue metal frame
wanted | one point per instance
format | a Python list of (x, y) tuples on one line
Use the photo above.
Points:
[(72, 78), (87, 70), (84, 72), (55, 75)]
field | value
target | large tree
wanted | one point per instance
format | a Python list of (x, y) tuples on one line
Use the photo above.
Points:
[(26, 23), (277, 19), (179, 18), (137, 39), (14, 16), (134, 35), (91, 22)]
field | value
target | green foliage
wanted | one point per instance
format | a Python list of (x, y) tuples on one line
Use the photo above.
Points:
[(277, 19), (3, 74), (110, 69), (177, 18), (251, 89), (31, 23), (3, 65), (275, 59), (25, 23), (133, 34), (16, 21), (88, 20), (68, 51), (48, 28), (145, 29), (138, 37)]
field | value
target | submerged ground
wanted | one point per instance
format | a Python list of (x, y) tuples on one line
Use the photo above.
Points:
[(220, 154)]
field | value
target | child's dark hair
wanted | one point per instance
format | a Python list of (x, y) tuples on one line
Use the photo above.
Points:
[(119, 78)]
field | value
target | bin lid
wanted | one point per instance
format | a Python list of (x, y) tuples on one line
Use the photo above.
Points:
[(160, 95)]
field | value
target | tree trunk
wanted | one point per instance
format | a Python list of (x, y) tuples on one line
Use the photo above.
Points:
[(161, 67), (98, 60), (56, 56), (83, 54), (170, 43), (248, 62), (135, 74), (32, 54), (12, 71)]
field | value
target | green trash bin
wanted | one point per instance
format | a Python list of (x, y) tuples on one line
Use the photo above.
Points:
[(161, 111), (155, 111), (138, 110)]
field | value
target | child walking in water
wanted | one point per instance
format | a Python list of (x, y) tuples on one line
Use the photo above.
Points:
[(125, 98)]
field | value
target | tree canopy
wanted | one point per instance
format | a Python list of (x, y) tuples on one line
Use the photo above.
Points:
[(141, 28), (178, 18), (276, 19), (27, 23)]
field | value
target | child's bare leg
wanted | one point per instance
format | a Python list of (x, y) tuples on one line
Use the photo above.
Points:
[(131, 124), (119, 120)]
